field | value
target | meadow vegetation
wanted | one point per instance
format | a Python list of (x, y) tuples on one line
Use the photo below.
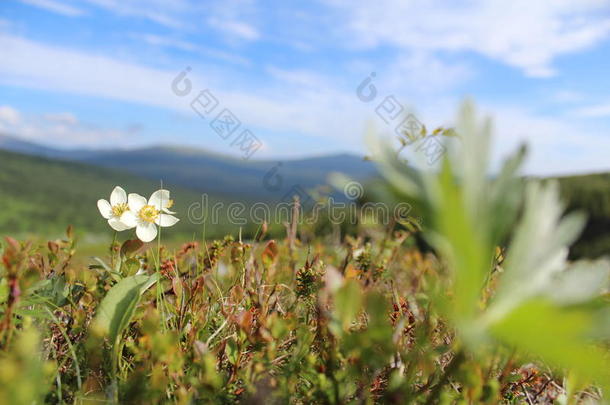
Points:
[(490, 311)]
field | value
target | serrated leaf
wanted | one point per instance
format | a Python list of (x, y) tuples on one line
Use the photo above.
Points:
[(581, 282), (539, 247)]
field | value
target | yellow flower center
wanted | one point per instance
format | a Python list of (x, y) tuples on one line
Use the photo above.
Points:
[(148, 213), (119, 209)]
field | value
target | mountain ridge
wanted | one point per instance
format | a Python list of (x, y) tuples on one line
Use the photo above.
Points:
[(205, 171)]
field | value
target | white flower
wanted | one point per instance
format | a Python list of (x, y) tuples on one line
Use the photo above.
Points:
[(162, 201), (115, 210), (146, 215)]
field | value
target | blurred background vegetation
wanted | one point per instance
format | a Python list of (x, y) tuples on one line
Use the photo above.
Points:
[(42, 190)]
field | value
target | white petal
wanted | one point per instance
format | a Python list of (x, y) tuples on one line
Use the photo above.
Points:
[(105, 208), (118, 196), (167, 211), (146, 231), (129, 219), (136, 202), (159, 199), (117, 225), (166, 220)]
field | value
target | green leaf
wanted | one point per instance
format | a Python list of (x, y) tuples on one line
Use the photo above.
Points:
[(467, 250), (560, 336), (118, 306), (505, 196), (232, 351), (471, 162), (348, 303), (4, 290), (131, 266)]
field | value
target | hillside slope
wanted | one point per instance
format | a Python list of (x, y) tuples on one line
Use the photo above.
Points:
[(42, 196)]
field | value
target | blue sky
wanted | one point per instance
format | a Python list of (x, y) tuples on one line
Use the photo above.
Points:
[(98, 73)]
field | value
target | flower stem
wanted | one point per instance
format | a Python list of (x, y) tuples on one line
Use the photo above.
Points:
[(114, 237), (159, 276)]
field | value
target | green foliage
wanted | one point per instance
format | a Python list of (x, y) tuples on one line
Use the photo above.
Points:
[(118, 306), (471, 211), (491, 312), (560, 335)]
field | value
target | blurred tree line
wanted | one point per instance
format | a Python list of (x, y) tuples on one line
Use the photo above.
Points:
[(591, 194)]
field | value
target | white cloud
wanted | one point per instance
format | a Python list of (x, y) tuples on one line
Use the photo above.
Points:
[(316, 111), (56, 7), (594, 111), (557, 145), (227, 16), (292, 102), (58, 129), (166, 13), (32, 64), (299, 77), (421, 74), (170, 42), (235, 28), (525, 34), (165, 41), (64, 118), (522, 33), (567, 96), (9, 115)]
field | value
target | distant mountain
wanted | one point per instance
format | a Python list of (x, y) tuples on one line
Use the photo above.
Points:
[(17, 145), (203, 171)]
